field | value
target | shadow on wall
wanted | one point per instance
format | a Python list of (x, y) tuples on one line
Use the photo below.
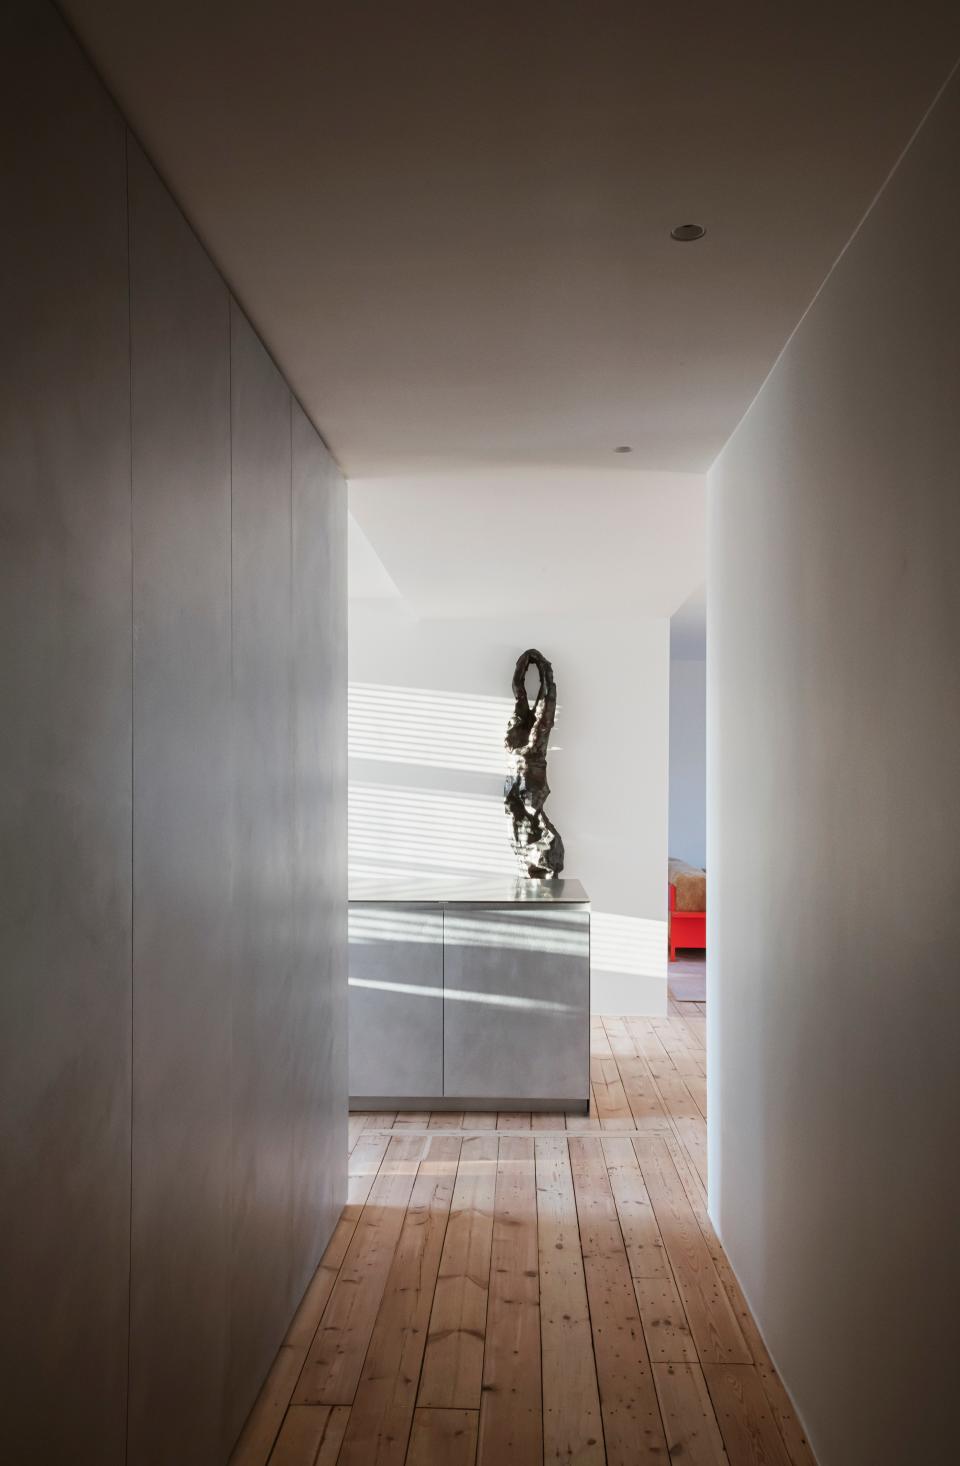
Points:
[(403, 830), (437, 730), (628, 944), (444, 815)]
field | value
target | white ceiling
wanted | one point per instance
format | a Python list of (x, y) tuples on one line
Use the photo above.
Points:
[(564, 542), (450, 219)]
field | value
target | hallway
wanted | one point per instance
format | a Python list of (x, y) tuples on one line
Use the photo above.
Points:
[(521, 1288)]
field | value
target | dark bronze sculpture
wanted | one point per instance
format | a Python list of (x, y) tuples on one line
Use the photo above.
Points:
[(536, 841)]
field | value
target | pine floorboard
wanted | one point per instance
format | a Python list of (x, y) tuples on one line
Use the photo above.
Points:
[(523, 1289)]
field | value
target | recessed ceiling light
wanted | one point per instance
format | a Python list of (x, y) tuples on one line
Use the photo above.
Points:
[(624, 448), (684, 233)]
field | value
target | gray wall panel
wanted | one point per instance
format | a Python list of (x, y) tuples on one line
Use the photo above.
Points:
[(64, 753), (173, 793), (320, 834), (265, 1030), (182, 834)]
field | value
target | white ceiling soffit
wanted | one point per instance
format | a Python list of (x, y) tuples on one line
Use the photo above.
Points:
[(561, 541), (688, 628), (451, 220), (367, 577)]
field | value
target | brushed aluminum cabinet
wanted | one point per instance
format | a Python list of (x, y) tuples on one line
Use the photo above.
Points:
[(265, 1028), (64, 753), (319, 987), (516, 1002), (183, 829), (396, 1001)]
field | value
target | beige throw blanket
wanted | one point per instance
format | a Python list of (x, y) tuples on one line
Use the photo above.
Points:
[(691, 885)]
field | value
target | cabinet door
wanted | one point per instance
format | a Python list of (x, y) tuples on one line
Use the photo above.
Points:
[(396, 1002), (516, 1006)]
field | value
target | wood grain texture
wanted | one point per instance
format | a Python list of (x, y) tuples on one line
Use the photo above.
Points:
[(513, 1120), (532, 1294), (643, 1096), (511, 1419), (641, 1235), (412, 1120), (443, 1438), (332, 1369), (311, 1436), (383, 1406), (307, 1318), (746, 1422), (453, 1363), (709, 1314), (632, 1427), (365, 1160), (572, 1427), (480, 1120), (693, 1434), (665, 1326), (612, 1106)]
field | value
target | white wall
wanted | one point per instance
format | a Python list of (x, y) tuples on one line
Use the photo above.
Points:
[(430, 701), (688, 760), (834, 852)]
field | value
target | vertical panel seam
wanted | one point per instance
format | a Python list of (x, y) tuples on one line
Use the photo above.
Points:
[(133, 653), (230, 470), (232, 898), (293, 908)]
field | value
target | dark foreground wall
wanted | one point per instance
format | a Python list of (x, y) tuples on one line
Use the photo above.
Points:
[(172, 789)]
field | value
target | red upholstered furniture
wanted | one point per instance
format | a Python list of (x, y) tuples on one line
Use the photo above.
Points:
[(687, 928)]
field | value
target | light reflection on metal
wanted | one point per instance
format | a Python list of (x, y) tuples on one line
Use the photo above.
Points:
[(536, 841), (464, 995), (560, 933)]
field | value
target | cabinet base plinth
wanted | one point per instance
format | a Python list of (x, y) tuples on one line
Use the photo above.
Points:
[(454, 1105)]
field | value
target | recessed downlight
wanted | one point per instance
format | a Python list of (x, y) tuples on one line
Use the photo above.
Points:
[(624, 448), (685, 233)]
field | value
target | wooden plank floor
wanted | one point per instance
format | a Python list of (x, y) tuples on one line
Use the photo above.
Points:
[(524, 1289)]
